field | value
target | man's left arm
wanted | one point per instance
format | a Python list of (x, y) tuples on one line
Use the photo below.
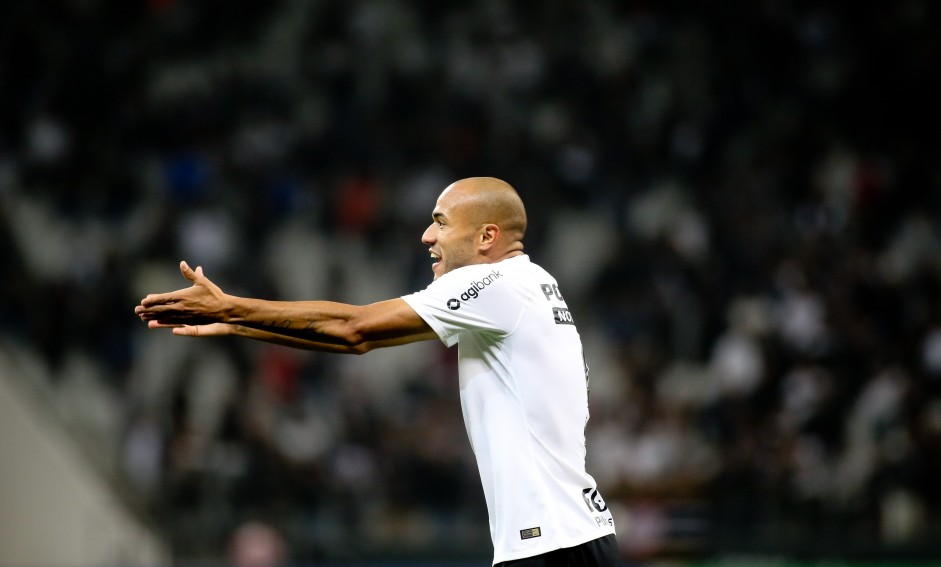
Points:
[(232, 329)]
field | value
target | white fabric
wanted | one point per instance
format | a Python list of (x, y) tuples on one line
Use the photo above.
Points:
[(525, 402)]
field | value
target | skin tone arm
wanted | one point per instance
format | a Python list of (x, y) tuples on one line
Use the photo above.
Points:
[(205, 310), (222, 329)]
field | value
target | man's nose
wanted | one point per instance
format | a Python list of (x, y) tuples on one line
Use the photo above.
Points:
[(428, 237)]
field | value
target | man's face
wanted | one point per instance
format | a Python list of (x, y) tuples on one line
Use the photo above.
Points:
[(450, 236)]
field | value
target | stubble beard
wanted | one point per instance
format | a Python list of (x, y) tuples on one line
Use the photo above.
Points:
[(457, 259)]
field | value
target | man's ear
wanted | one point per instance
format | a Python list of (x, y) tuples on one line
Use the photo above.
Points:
[(489, 233)]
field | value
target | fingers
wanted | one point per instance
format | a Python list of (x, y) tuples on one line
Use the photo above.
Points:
[(157, 302), (184, 330), (153, 299), (162, 325), (191, 274), (198, 277), (188, 272), (194, 305), (210, 330)]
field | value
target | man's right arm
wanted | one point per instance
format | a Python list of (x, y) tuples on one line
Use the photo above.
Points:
[(319, 325)]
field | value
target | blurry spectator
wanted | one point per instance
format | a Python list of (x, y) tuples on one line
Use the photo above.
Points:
[(749, 220), (255, 544)]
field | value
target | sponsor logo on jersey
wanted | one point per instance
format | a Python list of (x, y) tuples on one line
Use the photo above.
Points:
[(474, 290), (562, 316), (551, 289), (530, 533), (604, 522), (593, 500)]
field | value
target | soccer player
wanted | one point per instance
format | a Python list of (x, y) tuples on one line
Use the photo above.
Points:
[(523, 378)]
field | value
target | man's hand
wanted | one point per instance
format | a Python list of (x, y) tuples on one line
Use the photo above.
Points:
[(198, 305), (210, 330)]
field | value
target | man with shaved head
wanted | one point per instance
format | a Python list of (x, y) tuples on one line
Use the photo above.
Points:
[(523, 378)]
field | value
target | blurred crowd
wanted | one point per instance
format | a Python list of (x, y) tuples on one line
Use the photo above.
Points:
[(741, 205)]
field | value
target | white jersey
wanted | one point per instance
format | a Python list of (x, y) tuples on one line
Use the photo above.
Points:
[(524, 396)]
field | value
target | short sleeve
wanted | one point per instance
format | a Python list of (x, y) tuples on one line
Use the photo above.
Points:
[(477, 298)]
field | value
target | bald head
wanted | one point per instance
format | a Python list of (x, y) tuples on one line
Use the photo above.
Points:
[(477, 220), (488, 200)]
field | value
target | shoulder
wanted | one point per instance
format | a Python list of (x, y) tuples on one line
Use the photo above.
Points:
[(469, 283), (485, 275), (478, 298)]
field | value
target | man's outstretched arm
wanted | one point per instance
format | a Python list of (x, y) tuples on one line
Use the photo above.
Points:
[(231, 329), (317, 325)]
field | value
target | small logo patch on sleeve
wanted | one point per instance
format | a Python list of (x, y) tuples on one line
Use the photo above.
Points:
[(530, 533), (562, 316)]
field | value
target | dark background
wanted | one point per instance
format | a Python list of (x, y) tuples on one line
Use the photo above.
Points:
[(741, 204)]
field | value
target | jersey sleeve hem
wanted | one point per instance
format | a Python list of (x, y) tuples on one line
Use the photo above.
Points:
[(433, 322)]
